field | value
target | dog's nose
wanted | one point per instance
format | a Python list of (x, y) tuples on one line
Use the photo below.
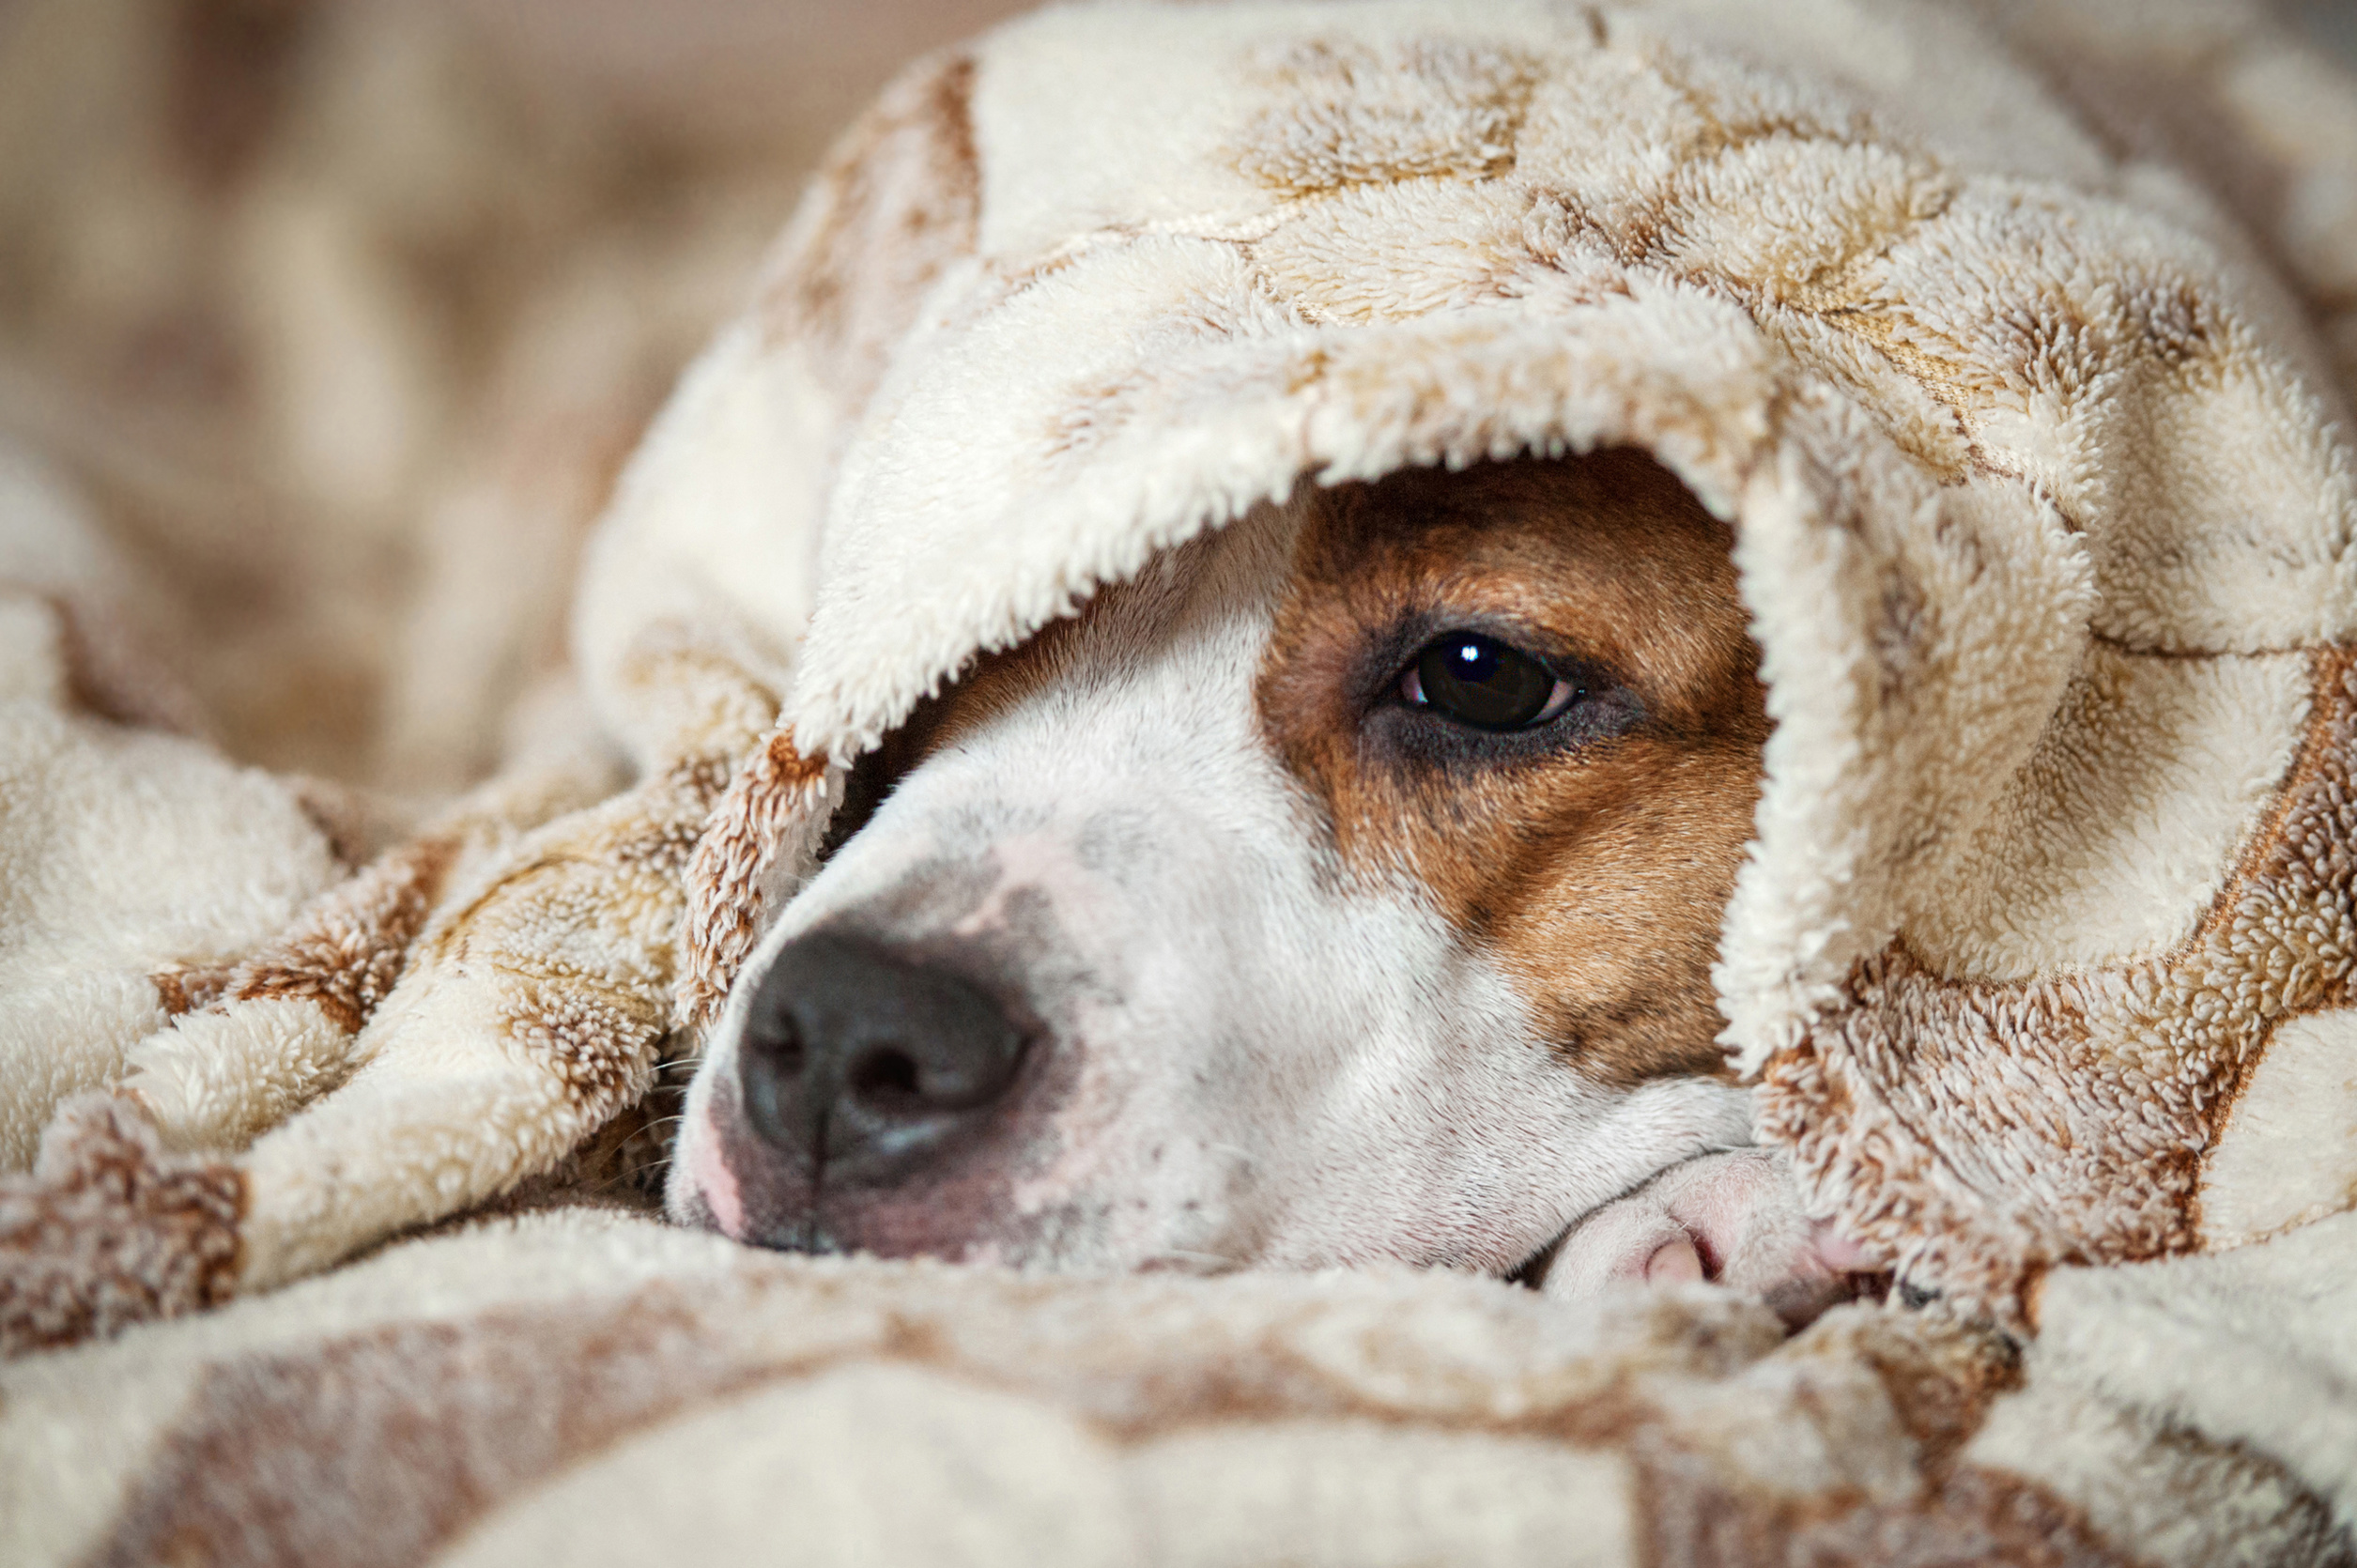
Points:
[(862, 1064)]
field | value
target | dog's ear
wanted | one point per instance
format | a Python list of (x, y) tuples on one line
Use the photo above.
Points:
[(761, 840)]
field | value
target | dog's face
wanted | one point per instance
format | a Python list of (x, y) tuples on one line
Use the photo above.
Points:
[(1343, 888)]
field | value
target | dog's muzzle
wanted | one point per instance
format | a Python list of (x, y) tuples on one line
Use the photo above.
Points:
[(862, 1066)]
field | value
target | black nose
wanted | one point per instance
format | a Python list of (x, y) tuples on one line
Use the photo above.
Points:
[(864, 1064)]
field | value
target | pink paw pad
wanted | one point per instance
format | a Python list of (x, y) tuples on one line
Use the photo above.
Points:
[(1732, 1219)]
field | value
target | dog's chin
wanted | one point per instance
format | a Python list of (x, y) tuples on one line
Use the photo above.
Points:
[(937, 1226), (986, 1210), (959, 1210), (786, 1214)]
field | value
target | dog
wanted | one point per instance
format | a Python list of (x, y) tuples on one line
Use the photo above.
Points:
[(1342, 889)]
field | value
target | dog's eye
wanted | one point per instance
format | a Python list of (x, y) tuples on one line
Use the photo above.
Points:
[(1482, 682)]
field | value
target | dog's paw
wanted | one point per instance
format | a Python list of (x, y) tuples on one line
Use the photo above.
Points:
[(1732, 1218)]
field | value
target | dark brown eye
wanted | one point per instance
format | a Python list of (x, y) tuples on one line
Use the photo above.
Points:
[(1482, 682)]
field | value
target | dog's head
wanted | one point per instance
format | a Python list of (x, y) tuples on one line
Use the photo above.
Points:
[(1344, 887)]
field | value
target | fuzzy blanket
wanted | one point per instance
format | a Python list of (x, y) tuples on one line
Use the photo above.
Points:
[(591, 1389), (2010, 342)]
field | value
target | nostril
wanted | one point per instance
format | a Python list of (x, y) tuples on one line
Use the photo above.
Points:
[(886, 1079), (894, 1080)]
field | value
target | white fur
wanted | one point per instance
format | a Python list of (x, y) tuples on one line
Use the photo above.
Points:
[(1279, 1062)]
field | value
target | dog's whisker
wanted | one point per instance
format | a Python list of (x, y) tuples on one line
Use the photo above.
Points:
[(629, 1177)]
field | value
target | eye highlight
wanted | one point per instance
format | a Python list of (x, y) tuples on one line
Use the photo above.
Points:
[(1486, 683)]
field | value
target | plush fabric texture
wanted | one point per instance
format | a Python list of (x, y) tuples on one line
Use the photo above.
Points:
[(2012, 343), (588, 1388)]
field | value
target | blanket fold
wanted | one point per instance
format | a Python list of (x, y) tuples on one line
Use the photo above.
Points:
[(593, 1387)]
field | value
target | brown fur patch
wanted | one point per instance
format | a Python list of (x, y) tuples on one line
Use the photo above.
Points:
[(108, 1230), (351, 945), (732, 862), (595, 1039), (1595, 868), (185, 988)]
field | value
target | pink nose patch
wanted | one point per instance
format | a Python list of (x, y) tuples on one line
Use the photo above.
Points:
[(714, 1181)]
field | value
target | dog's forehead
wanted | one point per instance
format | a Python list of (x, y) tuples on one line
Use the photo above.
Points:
[(1590, 547), (1205, 605), (1608, 554)]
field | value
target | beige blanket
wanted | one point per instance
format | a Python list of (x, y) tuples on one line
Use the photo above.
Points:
[(2010, 342), (587, 1388)]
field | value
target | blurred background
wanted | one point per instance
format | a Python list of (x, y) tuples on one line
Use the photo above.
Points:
[(346, 312)]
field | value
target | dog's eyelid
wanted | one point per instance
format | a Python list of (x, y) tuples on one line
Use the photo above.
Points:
[(1561, 650), (1558, 655)]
